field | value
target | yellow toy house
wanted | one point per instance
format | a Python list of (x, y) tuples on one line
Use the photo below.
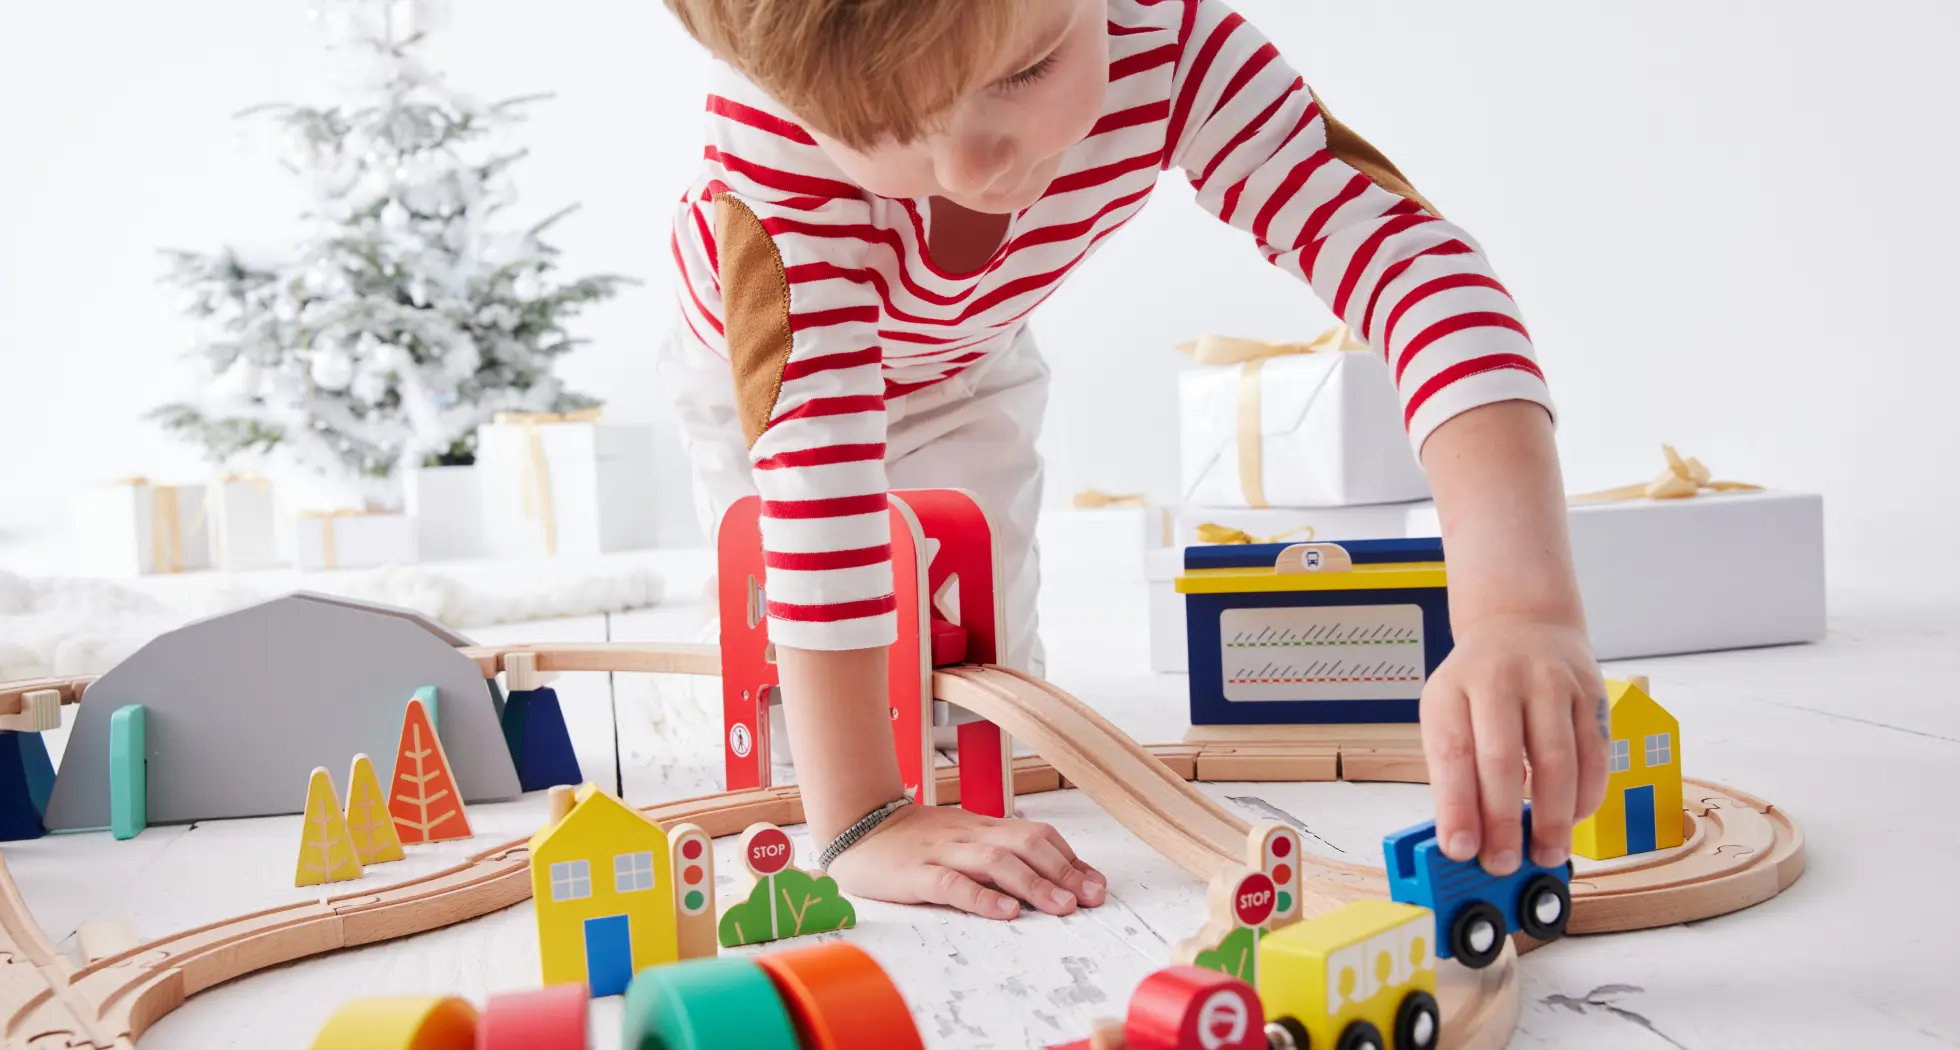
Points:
[(601, 875), (1642, 811)]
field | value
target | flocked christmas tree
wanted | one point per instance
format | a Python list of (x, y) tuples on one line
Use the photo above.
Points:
[(412, 311)]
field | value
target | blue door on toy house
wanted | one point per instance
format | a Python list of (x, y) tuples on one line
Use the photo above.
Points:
[(608, 955), (1640, 819)]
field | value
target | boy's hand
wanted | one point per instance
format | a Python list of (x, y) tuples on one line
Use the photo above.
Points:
[(945, 855), (1513, 689)]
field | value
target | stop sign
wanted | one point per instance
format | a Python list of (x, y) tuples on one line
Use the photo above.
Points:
[(1255, 899), (1187, 1008), (766, 851)]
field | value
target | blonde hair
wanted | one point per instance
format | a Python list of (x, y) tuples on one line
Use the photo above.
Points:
[(859, 71)]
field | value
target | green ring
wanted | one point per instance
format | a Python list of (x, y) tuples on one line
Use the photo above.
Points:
[(706, 1004)]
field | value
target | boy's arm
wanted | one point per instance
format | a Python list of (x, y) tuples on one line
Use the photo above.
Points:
[(1522, 678), (799, 317), (1329, 208)]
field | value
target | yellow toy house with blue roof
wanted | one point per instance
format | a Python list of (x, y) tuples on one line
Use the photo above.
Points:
[(601, 877), (1642, 811)]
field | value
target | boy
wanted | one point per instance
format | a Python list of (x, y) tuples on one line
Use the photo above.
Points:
[(890, 187)]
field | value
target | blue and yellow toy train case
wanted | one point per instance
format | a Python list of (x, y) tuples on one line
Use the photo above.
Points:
[(1343, 645)]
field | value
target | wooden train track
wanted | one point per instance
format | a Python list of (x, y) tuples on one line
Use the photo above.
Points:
[(1739, 851)]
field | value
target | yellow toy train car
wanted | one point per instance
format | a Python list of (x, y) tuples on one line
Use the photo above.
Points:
[(1340, 981)]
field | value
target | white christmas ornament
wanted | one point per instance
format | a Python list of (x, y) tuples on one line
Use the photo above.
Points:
[(332, 369), (240, 381)]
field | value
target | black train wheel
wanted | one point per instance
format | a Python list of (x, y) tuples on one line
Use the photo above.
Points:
[(1418, 1022), (1477, 934), (1287, 1034), (1360, 1035), (1544, 905)]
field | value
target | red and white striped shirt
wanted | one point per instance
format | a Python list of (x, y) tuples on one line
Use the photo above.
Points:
[(1191, 86)]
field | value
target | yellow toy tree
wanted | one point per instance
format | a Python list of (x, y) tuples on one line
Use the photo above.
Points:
[(369, 823), (326, 853)]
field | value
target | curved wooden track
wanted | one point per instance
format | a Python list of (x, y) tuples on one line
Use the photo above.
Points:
[(1740, 851)]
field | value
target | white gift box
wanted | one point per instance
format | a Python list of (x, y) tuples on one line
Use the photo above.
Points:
[(1168, 651), (353, 539), (1323, 430), (1103, 542), (568, 487), (242, 524), (134, 528), (1367, 521), (447, 506), (1716, 571)]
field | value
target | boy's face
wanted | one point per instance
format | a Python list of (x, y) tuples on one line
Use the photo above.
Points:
[(998, 149)]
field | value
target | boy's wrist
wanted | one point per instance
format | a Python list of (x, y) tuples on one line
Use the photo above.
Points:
[(837, 706), (858, 831)]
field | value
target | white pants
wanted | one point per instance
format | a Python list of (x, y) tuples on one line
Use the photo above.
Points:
[(975, 431)]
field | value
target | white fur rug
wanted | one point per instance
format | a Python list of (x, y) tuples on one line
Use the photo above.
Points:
[(74, 627)]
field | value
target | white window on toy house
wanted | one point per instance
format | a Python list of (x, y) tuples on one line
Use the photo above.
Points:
[(1621, 759), (1660, 749), (571, 880), (632, 872)]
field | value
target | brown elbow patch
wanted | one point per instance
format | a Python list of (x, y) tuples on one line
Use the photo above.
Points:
[(1357, 153), (755, 312)]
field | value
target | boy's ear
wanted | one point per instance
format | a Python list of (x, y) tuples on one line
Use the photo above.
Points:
[(1356, 152), (755, 312)]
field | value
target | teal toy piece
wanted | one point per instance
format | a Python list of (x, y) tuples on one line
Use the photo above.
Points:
[(129, 771), (706, 1004), (427, 694)]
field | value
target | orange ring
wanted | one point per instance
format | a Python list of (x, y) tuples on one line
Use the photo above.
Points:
[(841, 999)]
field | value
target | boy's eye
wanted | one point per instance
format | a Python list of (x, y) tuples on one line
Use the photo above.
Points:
[(1031, 74)]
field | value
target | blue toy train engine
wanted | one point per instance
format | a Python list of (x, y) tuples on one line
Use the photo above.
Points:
[(1474, 909)]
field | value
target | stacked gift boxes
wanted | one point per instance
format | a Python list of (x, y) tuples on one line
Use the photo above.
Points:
[(1281, 443), (137, 527), (565, 484), (1304, 443)]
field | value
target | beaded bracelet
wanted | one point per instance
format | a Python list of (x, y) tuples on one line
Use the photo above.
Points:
[(851, 835)]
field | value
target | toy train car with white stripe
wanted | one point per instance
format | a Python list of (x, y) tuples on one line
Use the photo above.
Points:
[(1314, 633)]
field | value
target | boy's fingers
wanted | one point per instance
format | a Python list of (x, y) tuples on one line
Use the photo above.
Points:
[(1007, 871), (1554, 778), (1498, 726), (1028, 842), (955, 889), (1095, 885), (1590, 742), (1451, 752), (1085, 882)]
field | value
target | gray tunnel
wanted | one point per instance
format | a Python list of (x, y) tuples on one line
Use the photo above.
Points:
[(242, 707)]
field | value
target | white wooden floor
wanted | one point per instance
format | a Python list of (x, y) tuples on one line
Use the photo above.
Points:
[(1858, 738)]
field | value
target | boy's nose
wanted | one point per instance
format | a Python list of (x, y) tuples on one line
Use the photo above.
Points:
[(972, 163)]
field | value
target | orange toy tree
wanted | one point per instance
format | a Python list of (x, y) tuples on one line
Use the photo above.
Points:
[(422, 797)]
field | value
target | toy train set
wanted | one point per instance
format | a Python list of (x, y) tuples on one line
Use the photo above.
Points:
[(1301, 950)]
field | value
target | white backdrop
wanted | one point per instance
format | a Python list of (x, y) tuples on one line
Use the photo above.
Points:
[(1725, 219)]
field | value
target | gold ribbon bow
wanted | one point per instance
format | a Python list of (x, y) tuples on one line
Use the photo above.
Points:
[(536, 482), (1096, 499), (329, 556), (1683, 478), (1210, 533), (166, 524), (1251, 355)]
